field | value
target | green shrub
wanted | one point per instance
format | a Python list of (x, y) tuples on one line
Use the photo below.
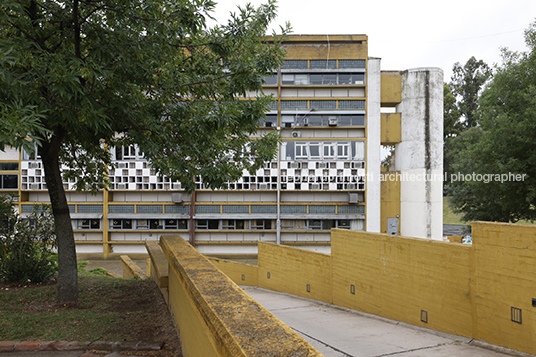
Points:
[(26, 244)]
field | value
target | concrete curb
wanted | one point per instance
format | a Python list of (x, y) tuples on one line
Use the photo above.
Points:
[(10, 346)]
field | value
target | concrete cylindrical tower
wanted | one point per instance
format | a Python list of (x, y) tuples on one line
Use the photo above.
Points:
[(419, 155)]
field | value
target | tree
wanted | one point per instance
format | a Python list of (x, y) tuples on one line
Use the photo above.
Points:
[(451, 126), (466, 84), (503, 144), (461, 98), (81, 76), (26, 244)]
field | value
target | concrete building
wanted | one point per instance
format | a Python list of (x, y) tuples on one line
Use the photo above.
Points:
[(334, 109)]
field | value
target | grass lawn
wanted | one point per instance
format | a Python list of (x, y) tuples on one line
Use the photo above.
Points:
[(449, 217), (109, 309)]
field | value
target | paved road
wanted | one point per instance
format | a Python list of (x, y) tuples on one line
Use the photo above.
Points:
[(339, 332)]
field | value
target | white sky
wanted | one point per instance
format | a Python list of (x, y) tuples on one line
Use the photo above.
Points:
[(412, 33)]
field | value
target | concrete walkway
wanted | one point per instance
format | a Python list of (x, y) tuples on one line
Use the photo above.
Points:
[(339, 332)]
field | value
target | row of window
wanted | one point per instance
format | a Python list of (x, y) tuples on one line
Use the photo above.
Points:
[(214, 224), (289, 121), (322, 150), (304, 79), (319, 104), (321, 64)]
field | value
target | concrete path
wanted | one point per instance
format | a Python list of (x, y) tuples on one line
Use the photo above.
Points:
[(339, 332)]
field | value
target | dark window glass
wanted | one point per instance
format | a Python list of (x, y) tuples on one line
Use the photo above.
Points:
[(10, 181), (9, 166), (213, 224), (315, 79)]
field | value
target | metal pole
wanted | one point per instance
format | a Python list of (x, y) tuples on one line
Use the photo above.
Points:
[(278, 222)]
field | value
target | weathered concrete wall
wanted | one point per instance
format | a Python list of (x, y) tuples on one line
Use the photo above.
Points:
[(398, 277), (296, 271), (217, 318), (505, 278), (419, 156), (469, 290), (373, 204)]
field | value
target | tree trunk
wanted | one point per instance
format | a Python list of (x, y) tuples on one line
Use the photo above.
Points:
[(67, 267)]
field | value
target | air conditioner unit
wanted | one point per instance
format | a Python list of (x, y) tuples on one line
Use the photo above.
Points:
[(34, 165), (353, 198), (305, 121), (121, 186), (322, 165), (332, 121), (295, 165), (315, 186), (263, 186), (350, 186), (35, 186), (176, 197), (176, 186), (122, 165), (296, 134)]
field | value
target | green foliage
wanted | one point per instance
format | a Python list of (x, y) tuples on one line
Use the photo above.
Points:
[(26, 244), (502, 144), (148, 72), (466, 84), (80, 77)]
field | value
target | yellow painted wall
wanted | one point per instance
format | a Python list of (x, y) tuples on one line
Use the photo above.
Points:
[(390, 128), (316, 47), (466, 290), (217, 318), (397, 277), (390, 199), (505, 260), (391, 89), (240, 273), (291, 269)]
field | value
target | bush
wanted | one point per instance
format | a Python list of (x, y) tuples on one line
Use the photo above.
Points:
[(26, 244)]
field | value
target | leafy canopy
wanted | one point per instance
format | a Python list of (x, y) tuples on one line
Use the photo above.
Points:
[(503, 143), (94, 74)]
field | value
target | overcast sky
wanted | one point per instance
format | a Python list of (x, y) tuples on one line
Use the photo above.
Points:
[(412, 33)]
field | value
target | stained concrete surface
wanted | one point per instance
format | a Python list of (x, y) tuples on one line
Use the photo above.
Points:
[(339, 332)]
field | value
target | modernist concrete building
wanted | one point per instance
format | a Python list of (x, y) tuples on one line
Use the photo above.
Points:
[(334, 110)]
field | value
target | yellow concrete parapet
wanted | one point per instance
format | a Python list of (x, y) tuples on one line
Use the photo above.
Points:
[(296, 271), (240, 273), (391, 89), (131, 269), (505, 284), (391, 128), (159, 266), (217, 318)]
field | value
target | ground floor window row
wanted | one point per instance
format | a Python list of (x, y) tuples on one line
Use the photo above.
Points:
[(219, 224)]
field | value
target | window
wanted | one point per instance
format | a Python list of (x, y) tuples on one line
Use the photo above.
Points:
[(322, 79), (142, 224), (327, 224), (9, 166), (207, 224), (9, 182), (88, 224), (156, 224), (270, 80), (314, 150), (343, 150), (301, 150), (261, 224), (329, 79), (302, 64), (329, 150), (121, 224), (233, 224), (301, 79)]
